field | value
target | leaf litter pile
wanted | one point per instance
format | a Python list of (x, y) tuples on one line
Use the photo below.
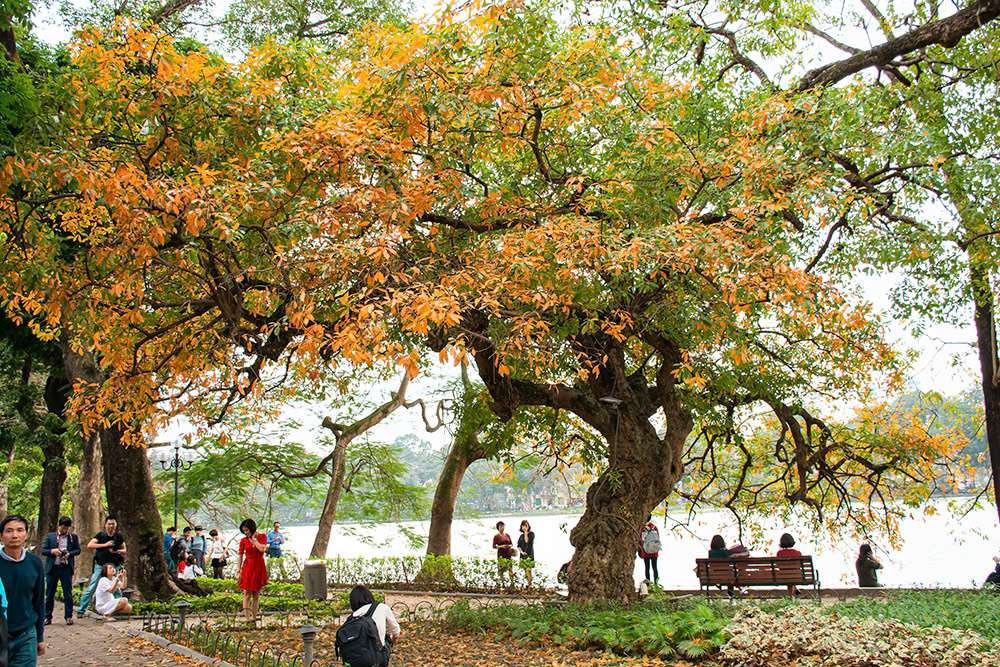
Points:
[(423, 644)]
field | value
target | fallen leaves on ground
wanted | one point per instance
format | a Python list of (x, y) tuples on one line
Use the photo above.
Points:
[(426, 644), (150, 653)]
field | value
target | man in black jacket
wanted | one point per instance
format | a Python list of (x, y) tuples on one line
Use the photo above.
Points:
[(60, 550), (24, 583)]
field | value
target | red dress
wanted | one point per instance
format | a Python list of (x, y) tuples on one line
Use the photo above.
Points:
[(253, 576)]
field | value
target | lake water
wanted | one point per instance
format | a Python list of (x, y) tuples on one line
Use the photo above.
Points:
[(937, 550)]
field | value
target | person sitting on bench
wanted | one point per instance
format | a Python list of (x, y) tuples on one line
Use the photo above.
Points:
[(786, 543)]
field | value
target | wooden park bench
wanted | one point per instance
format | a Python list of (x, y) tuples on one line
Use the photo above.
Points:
[(762, 571)]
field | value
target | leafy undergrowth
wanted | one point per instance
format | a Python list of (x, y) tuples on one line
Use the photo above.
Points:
[(960, 610), (640, 630), (806, 635), (427, 645), (232, 602)]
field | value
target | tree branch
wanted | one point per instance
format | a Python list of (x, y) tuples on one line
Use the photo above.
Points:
[(945, 32)]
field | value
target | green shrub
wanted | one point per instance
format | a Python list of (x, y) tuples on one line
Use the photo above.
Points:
[(229, 603), (640, 630), (437, 573), (960, 610)]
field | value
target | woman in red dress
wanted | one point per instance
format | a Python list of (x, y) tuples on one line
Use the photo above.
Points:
[(253, 571)]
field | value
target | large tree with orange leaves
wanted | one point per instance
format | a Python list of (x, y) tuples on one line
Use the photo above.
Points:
[(597, 237)]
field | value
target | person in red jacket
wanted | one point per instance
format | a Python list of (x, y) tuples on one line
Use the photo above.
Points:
[(786, 551)]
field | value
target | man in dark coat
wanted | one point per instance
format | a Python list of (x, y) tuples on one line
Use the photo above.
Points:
[(60, 550)]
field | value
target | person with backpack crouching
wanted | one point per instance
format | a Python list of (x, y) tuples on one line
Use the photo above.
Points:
[(649, 548), (366, 637)]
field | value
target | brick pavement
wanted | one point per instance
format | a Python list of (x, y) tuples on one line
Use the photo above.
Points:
[(89, 642)]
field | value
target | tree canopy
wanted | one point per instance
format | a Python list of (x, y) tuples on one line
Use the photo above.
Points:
[(633, 235)]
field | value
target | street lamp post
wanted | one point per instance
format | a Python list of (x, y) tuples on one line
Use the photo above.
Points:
[(177, 464)]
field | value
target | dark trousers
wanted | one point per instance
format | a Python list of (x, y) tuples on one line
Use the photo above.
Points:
[(60, 574), (651, 560)]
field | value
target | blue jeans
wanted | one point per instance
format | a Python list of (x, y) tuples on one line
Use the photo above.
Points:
[(22, 651), (91, 589)]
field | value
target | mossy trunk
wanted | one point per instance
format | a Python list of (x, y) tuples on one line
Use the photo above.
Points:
[(339, 462), (461, 455)]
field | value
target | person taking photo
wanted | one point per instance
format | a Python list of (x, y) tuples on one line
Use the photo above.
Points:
[(60, 550)]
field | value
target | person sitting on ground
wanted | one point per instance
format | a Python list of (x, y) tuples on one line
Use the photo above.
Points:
[(191, 569), (388, 628), (112, 581), (994, 578), (717, 548), (866, 565), (786, 542)]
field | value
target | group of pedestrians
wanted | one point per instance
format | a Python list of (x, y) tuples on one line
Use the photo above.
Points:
[(506, 552), (187, 553)]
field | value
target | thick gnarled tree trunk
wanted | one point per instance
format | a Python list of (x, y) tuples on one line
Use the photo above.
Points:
[(131, 500), (642, 471), (642, 468), (87, 519)]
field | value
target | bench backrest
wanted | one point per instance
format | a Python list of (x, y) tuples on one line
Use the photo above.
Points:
[(760, 571)]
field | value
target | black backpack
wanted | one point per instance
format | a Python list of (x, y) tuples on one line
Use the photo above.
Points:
[(358, 642), (177, 551)]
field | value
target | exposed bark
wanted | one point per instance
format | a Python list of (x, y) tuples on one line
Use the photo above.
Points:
[(989, 368), (642, 467), (170, 9), (131, 500), (87, 501), (946, 32), (8, 40), (642, 471), (51, 487), (343, 436), (53, 462), (461, 455), (322, 541)]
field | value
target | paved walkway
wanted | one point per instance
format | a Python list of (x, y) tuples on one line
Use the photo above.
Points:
[(88, 642)]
